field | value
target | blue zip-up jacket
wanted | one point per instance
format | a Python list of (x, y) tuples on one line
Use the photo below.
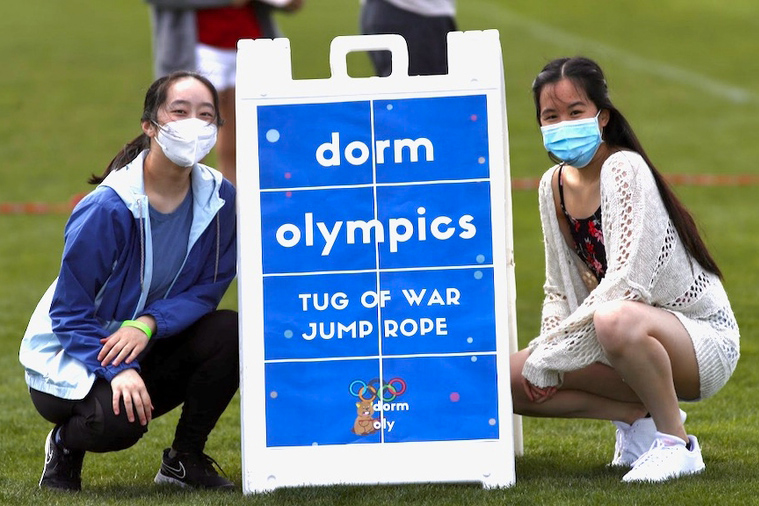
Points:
[(106, 272)]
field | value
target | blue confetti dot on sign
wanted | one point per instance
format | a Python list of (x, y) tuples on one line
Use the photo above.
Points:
[(272, 135)]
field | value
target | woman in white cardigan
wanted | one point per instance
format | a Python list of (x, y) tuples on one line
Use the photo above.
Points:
[(635, 317)]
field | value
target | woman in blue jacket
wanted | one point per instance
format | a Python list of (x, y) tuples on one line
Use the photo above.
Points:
[(130, 328)]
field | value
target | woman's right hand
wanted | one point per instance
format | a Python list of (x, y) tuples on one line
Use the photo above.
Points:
[(129, 386), (125, 345)]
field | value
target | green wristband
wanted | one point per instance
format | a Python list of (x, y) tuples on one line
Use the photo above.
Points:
[(138, 325)]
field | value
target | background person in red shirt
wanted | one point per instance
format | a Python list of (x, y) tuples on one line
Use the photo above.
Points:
[(202, 35)]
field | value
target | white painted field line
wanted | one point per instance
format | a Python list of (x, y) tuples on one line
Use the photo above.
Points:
[(553, 35)]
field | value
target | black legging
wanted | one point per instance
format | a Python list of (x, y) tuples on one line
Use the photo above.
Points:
[(198, 367)]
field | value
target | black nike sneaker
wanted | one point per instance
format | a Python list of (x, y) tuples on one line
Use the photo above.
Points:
[(63, 467), (194, 470)]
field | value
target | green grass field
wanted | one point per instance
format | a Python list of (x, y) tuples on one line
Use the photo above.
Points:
[(684, 73)]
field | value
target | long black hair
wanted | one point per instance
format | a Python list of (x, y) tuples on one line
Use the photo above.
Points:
[(586, 75), (155, 97)]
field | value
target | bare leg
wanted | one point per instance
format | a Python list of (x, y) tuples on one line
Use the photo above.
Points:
[(654, 354), (596, 392), (653, 364), (225, 144)]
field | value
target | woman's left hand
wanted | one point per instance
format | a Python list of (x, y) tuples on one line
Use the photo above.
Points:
[(124, 345), (536, 394)]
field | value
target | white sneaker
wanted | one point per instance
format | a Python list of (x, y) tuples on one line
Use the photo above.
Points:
[(635, 440), (668, 458)]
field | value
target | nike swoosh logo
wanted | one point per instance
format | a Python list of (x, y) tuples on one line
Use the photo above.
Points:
[(179, 472), (49, 453)]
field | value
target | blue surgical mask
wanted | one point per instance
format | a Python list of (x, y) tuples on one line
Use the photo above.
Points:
[(574, 142)]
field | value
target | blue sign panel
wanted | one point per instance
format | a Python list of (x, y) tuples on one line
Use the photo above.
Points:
[(311, 231), (297, 142), (431, 139), (438, 311), (379, 312), (320, 316), (435, 224)]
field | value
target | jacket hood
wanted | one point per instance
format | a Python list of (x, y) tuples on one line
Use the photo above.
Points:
[(128, 183)]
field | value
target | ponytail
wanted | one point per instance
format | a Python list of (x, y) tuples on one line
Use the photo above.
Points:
[(123, 157)]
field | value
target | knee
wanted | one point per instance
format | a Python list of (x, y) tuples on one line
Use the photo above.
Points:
[(229, 332), (226, 323), (115, 433), (126, 435), (218, 334), (615, 325)]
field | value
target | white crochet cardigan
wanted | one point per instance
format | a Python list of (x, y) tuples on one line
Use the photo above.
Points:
[(646, 262)]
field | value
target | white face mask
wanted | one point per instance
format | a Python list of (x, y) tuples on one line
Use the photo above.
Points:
[(186, 141)]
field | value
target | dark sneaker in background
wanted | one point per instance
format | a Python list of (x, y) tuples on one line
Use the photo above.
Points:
[(63, 467), (194, 470)]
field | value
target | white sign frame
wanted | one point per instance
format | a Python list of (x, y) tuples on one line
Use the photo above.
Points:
[(265, 78)]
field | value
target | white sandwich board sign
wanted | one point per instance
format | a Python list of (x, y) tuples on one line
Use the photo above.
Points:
[(376, 286)]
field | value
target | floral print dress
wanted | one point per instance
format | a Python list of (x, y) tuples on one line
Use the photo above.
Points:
[(588, 237)]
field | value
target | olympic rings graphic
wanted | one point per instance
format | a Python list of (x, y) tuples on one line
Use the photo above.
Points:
[(364, 387), (400, 389), (387, 392)]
